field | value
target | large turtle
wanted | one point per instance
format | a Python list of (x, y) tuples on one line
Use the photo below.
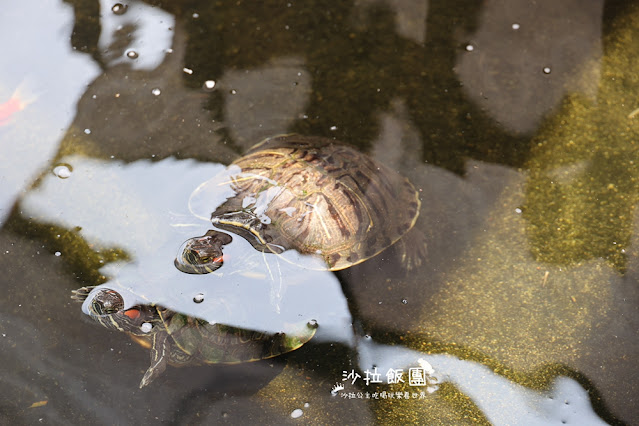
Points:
[(179, 340), (310, 194)]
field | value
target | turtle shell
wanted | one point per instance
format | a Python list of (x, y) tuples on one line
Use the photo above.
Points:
[(316, 196), (211, 343)]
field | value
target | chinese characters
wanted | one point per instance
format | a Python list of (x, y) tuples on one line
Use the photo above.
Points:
[(416, 376)]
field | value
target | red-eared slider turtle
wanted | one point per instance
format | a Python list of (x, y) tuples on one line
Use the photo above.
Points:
[(180, 340), (202, 255), (313, 195)]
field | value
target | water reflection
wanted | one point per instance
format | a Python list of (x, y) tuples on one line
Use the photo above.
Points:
[(515, 49), (265, 100), (499, 400), (500, 288), (128, 212), (410, 16), (128, 29), (48, 90)]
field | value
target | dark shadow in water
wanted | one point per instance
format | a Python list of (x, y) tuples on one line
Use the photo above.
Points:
[(87, 28), (357, 70)]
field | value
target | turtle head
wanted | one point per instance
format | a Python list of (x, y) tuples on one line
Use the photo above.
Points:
[(202, 255), (106, 306)]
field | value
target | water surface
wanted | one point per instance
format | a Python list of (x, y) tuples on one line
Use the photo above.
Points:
[(517, 123)]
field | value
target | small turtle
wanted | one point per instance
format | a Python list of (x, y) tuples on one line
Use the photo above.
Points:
[(313, 195), (180, 340)]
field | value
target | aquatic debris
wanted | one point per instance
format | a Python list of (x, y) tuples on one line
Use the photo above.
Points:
[(39, 404)]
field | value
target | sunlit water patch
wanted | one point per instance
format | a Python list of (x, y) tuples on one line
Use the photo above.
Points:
[(143, 209)]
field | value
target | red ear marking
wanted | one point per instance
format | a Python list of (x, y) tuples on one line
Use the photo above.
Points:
[(132, 313)]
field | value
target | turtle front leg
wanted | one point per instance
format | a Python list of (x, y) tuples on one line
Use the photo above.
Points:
[(412, 249), (159, 356)]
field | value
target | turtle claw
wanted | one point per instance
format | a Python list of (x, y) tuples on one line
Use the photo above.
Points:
[(81, 294)]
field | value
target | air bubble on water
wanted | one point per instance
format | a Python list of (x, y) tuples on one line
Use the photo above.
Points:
[(515, 26), (297, 413), (62, 170), (132, 54), (187, 70), (119, 9), (146, 327), (518, 210), (333, 128), (547, 70), (87, 131), (57, 253), (405, 301), (209, 85), (470, 47), (156, 91), (306, 405), (198, 298), (233, 92), (196, 15)]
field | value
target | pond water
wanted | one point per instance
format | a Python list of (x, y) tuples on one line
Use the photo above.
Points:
[(517, 124)]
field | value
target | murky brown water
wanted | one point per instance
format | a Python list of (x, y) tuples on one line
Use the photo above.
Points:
[(516, 122)]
